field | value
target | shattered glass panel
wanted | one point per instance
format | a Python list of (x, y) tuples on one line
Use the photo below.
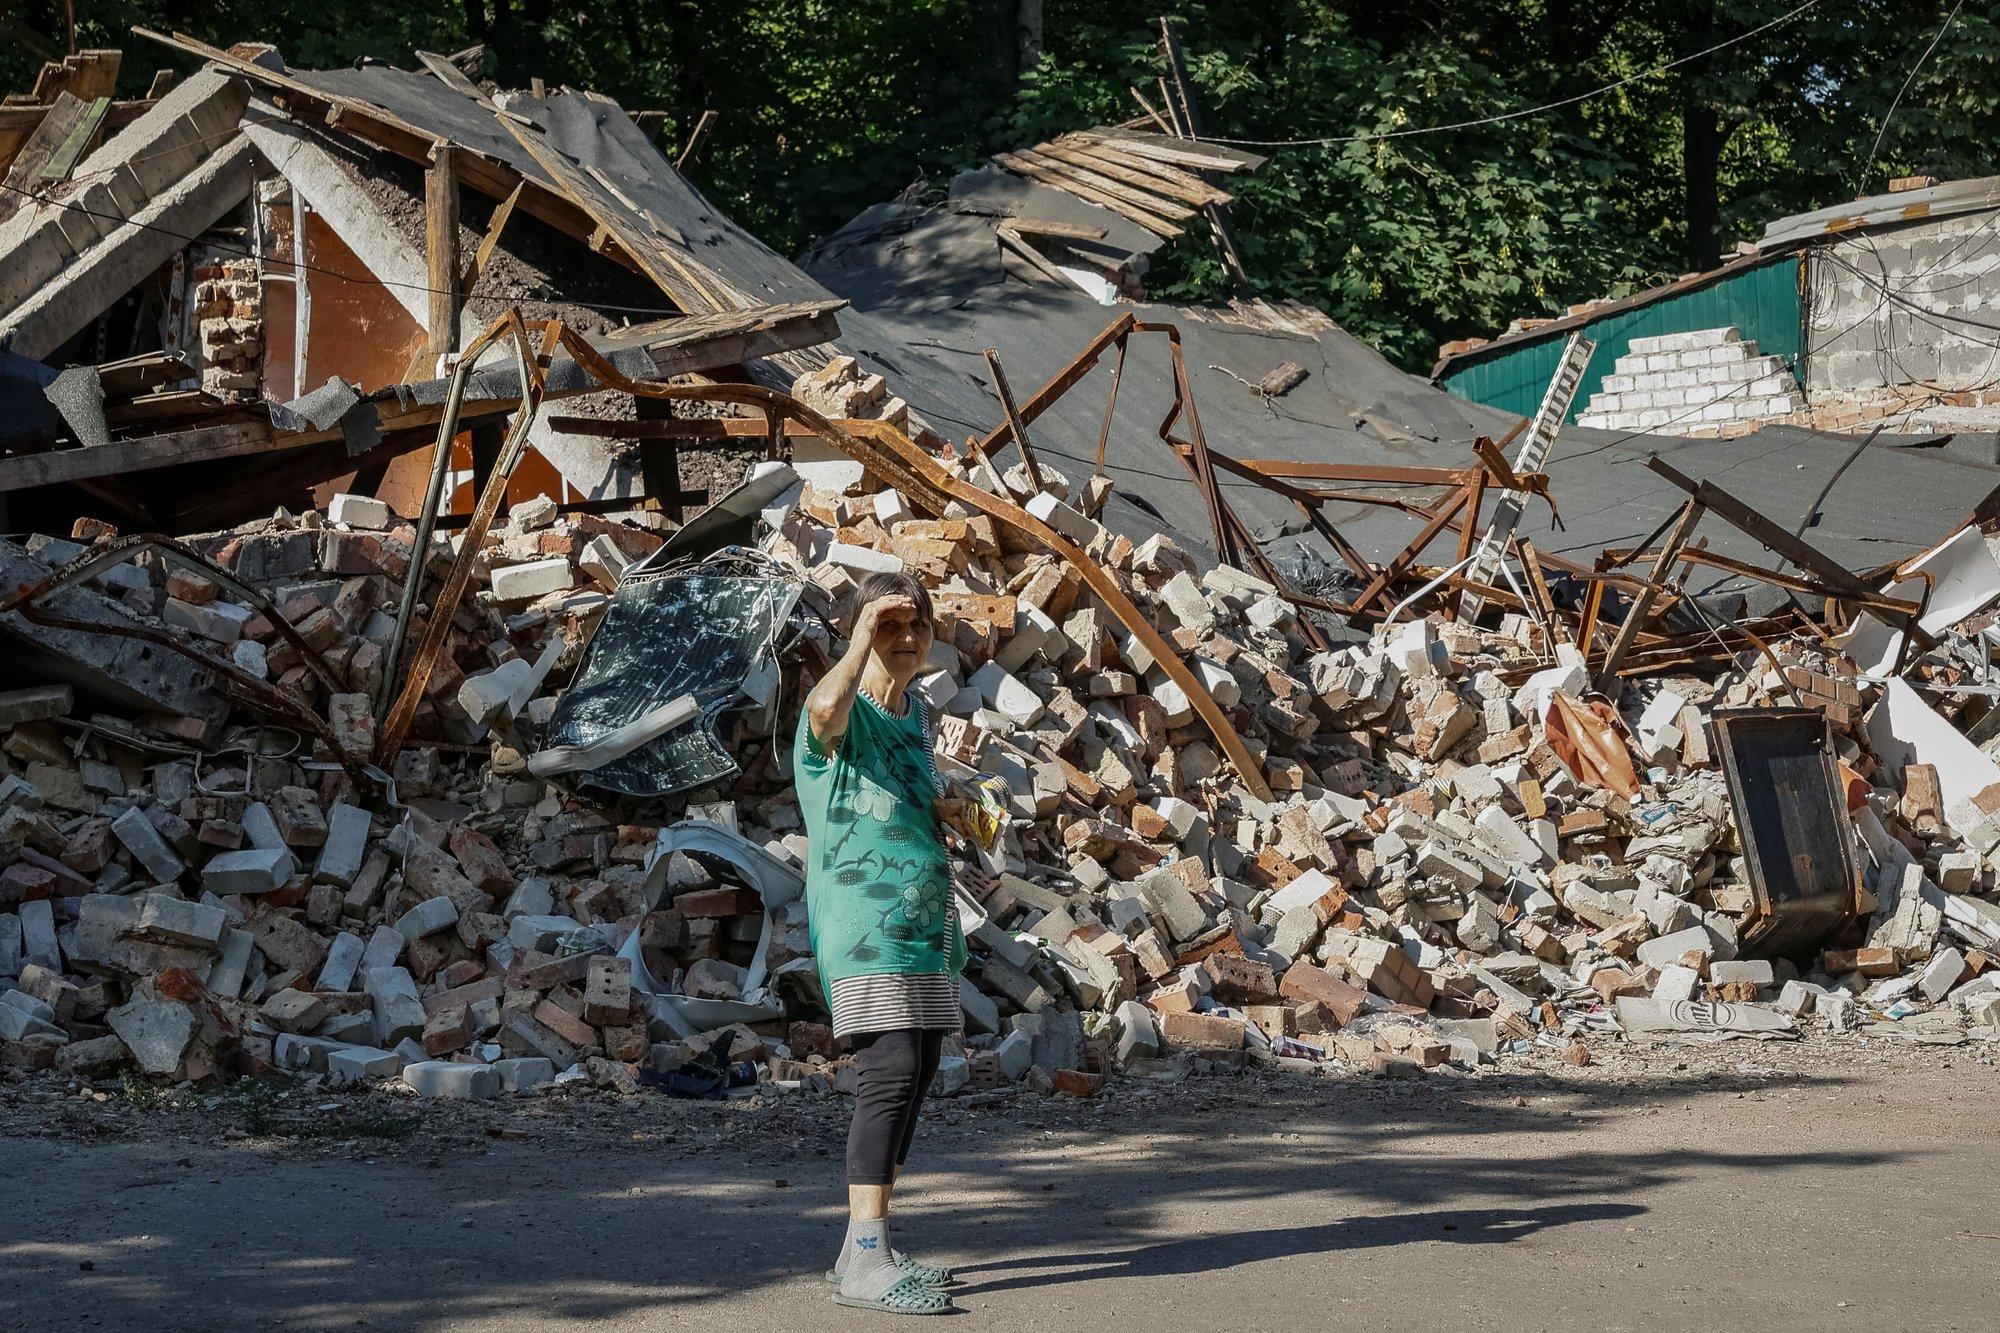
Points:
[(699, 633)]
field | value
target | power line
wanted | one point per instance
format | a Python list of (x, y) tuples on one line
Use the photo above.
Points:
[(1908, 79), (1740, 38)]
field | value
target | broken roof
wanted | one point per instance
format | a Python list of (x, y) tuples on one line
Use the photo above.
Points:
[(937, 288), (1898, 206)]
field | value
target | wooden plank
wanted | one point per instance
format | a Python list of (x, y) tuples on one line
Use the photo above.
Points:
[(715, 290), (1041, 175), (1157, 177), (1034, 258), (1190, 158), (603, 210), (495, 225), (447, 299), (694, 140), (57, 122), (451, 76), (1067, 231), (96, 73), (1104, 184), (76, 145)]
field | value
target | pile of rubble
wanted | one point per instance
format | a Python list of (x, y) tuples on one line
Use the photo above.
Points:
[(1452, 851)]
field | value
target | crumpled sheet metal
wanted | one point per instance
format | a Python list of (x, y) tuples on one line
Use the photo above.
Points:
[(694, 633), (1587, 738), (773, 880)]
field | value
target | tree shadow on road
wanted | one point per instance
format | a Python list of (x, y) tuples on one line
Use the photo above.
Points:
[(1140, 1182)]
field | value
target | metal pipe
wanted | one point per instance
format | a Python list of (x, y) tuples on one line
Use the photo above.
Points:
[(413, 578), (1443, 578)]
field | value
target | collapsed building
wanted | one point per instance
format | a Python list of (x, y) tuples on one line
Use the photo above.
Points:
[(516, 496)]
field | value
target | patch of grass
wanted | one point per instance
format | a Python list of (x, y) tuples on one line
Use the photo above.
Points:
[(139, 1092)]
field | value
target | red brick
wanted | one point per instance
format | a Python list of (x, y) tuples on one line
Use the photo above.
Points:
[(1202, 1032), (1076, 1083), (1306, 983), (718, 903), (481, 860), (565, 1024)]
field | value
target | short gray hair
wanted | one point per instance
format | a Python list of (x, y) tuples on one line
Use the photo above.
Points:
[(893, 583)]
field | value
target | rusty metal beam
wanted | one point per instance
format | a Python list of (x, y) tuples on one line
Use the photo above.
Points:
[(1782, 543), (900, 462), (1397, 567), (1059, 383), (1607, 675), (120, 549), (1015, 426), (262, 693), (533, 366)]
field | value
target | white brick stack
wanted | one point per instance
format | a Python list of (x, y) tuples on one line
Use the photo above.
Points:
[(1705, 382)]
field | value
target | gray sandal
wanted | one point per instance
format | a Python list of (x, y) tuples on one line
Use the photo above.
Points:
[(935, 1276), (908, 1296)]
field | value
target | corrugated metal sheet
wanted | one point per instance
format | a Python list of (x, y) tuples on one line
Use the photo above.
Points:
[(1936, 201), (1762, 301)]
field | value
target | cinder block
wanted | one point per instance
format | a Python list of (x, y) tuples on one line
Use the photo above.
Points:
[(255, 870), (457, 1082), (428, 918), (536, 578), (524, 1074), (343, 961), (346, 845), (352, 1064), (147, 846), (359, 511), (163, 916)]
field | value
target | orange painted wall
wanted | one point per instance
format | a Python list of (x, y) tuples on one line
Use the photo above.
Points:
[(360, 332)]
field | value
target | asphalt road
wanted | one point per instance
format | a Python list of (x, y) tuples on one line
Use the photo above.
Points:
[(1717, 1195)]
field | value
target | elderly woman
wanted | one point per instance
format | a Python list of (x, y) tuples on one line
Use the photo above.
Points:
[(884, 929)]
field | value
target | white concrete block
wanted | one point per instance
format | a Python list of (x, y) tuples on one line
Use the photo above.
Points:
[(535, 578), (359, 511)]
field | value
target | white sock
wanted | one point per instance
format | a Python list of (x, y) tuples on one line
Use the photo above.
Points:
[(865, 1266)]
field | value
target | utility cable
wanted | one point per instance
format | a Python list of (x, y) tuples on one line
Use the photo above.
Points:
[(1329, 140), (1908, 79)]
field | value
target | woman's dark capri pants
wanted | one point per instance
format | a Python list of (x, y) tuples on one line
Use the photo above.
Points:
[(896, 1069)]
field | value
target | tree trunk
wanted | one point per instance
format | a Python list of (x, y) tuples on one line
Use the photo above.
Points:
[(1702, 137), (1016, 41), (1027, 34)]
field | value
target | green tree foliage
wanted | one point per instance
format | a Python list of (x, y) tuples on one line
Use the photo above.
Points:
[(825, 108)]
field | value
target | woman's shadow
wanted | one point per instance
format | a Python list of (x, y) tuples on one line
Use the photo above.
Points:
[(1208, 1253)]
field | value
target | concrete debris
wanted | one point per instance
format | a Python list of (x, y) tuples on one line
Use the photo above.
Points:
[(1460, 855)]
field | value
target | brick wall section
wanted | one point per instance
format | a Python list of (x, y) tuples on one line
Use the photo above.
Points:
[(229, 327), (1704, 382)]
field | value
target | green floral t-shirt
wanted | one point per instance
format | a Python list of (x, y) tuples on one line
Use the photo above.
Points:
[(878, 880)]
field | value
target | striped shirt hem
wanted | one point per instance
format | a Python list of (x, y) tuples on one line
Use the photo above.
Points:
[(886, 1001)]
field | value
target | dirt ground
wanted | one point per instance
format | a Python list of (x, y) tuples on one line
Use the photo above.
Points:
[(1835, 1183)]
